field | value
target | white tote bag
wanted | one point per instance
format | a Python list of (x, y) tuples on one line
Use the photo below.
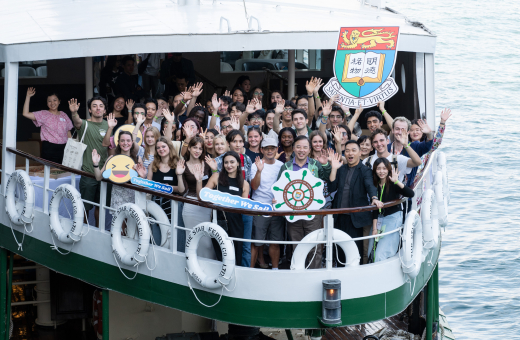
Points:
[(73, 155)]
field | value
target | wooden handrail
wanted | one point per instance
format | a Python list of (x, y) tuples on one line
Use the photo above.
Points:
[(206, 204)]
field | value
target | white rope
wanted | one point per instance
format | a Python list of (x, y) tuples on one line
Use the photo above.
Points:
[(235, 276), (315, 250), (337, 258), (55, 247), (88, 224), (135, 265), (154, 255), (196, 297), (15, 239)]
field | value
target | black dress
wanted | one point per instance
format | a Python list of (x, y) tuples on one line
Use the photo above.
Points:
[(234, 222), (169, 178)]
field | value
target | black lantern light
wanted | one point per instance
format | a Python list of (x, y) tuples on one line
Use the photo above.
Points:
[(331, 305)]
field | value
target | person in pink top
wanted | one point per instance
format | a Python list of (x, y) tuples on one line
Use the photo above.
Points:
[(55, 126)]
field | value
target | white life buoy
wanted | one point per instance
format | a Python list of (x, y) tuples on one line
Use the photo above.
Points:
[(129, 252), (20, 213), (428, 198), (442, 204), (228, 255), (302, 249), (412, 245), (72, 234), (442, 166), (160, 216)]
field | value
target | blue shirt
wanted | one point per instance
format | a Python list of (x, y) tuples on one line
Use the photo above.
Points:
[(420, 148), (296, 167)]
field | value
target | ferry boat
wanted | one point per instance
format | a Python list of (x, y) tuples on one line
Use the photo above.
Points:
[(219, 37)]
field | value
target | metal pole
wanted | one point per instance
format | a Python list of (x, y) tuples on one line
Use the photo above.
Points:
[(3, 286), (436, 296), (9, 290), (105, 314), (329, 230), (291, 75), (430, 308), (10, 115), (89, 81)]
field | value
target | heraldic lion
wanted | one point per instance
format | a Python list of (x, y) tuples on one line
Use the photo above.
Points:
[(369, 38)]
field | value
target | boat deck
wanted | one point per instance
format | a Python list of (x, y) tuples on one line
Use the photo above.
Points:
[(397, 322)]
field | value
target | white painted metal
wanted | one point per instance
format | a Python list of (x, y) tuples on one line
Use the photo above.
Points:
[(52, 29), (10, 120), (419, 71), (429, 64), (102, 204), (173, 230), (291, 75), (43, 297), (46, 175), (89, 81)]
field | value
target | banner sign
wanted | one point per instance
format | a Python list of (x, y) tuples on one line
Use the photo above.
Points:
[(365, 58), (232, 201), (164, 188), (296, 191)]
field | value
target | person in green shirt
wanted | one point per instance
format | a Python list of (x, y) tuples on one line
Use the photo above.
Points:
[(94, 129)]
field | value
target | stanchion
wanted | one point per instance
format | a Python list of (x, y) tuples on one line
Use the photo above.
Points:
[(9, 290), (3, 290), (105, 314)]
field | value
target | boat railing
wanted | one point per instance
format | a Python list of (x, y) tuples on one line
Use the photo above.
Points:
[(424, 182)]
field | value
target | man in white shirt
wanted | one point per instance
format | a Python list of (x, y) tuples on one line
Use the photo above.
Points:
[(379, 140), (264, 174)]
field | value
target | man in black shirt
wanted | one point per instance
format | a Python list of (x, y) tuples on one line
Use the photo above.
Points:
[(126, 83)]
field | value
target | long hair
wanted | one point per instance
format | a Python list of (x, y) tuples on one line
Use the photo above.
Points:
[(244, 93), (414, 122), (374, 172), (193, 142), (257, 129), (183, 137), (223, 175), (156, 135), (133, 152), (322, 136), (172, 157)]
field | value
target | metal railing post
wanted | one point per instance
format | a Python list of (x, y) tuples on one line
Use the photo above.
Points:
[(436, 295), (73, 180), (10, 117), (106, 310), (173, 229), (3, 291), (9, 290), (46, 176), (329, 230), (430, 308), (102, 204)]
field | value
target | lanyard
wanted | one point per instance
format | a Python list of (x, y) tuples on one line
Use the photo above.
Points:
[(381, 197)]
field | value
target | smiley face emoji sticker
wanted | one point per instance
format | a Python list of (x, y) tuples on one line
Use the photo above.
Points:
[(129, 128), (119, 169)]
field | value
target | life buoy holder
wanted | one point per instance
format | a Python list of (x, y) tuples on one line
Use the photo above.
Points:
[(442, 166), (130, 253), (226, 274), (440, 197), (302, 250), (160, 216), (74, 234), (412, 249), (20, 213)]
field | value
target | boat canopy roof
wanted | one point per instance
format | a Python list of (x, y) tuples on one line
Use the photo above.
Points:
[(56, 29)]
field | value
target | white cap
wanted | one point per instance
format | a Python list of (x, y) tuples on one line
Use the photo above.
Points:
[(269, 142)]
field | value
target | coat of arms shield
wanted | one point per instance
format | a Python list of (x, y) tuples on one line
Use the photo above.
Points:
[(365, 58)]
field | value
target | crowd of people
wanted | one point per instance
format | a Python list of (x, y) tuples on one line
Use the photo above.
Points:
[(240, 143)]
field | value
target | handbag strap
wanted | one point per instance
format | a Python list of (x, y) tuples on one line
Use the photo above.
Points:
[(84, 132)]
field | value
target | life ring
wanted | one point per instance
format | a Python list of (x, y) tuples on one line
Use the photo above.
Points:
[(130, 253), (427, 215), (74, 234), (442, 205), (412, 245), (302, 249), (159, 215), (228, 256), (20, 213), (442, 166)]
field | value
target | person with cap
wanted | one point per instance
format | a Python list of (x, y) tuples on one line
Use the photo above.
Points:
[(264, 174)]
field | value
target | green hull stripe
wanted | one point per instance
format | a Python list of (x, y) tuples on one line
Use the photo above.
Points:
[(233, 310)]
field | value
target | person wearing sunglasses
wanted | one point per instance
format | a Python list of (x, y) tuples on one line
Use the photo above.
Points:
[(283, 109), (225, 125), (258, 94)]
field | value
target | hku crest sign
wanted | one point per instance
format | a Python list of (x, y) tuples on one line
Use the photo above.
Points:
[(365, 58)]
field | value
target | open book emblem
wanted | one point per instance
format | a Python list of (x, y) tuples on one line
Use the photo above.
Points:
[(365, 58)]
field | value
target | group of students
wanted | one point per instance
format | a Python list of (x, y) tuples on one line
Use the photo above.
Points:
[(241, 144)]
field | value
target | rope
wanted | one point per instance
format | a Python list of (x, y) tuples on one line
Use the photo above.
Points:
[(337, 258), (15, 239), (315, 250), (196, 297), (55, 247), (154, 256), (135, 265)]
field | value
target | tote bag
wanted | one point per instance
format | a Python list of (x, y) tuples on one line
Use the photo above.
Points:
[(73, 155)]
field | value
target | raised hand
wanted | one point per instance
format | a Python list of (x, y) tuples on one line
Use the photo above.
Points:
[(147, 126), (141, 170), (111, 120), (31, 91), (73, 105), (186, 96), (445, 115), (425, 128), (394, 177), (250, 108), (217, 128), (318, 84), (129, 104), (381, 106), (327, 108), (279, 107), (335, 162), (180, 167), (310, 85), (235, 123), (188, 133), (323, 157), (334, 98), (259, 163), (140, 119), (167, 115), (196, 90), (202, 133), (258, 104), (227, 93), (95, 157), (278, 155), (359, 110), (199, 172), (336, 134), (215, 102), (402, 138), (212, 163)]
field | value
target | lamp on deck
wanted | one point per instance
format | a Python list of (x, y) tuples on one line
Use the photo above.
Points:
[(331, 305)]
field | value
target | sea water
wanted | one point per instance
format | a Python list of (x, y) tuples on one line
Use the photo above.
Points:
[(477, 75)]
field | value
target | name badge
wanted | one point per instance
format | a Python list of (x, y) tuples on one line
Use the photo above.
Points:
[(102, 133), (234, 188), (62, 120), (205, 177), (168, 178)]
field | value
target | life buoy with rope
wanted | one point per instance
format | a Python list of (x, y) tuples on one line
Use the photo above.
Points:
[(21, 212), (72, 234), (412, 249), (193, 267), (303, 249), (442, 166), (160, 216), (440, 197), (129, 252), (427, 216)]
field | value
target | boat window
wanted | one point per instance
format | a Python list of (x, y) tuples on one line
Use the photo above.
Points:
[(274, 60)]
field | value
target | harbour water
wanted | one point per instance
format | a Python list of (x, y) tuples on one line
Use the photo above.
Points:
[(478, 77)]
